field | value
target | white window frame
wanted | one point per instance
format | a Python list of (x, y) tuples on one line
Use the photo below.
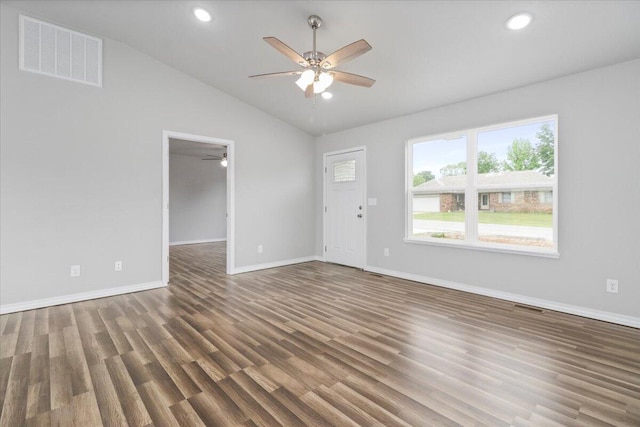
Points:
[(472, 190)]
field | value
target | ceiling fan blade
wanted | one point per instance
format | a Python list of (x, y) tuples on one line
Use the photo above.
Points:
[(352, 79), (286, 51), (345, 54), (210, 158), (282, 73), (308, 93)]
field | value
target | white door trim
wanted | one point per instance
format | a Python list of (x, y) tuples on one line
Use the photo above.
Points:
[(166, 134), (325, 229)]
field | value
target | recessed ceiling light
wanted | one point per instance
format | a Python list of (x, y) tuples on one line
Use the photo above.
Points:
[(202, 14), (327, 95), (519, 21)]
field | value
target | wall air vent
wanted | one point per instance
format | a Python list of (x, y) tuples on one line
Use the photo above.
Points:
[(59, 52)]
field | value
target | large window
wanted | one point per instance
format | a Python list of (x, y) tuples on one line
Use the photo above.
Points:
[(493, 187)]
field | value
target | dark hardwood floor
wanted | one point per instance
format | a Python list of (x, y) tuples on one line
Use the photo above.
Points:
[(312, 344)]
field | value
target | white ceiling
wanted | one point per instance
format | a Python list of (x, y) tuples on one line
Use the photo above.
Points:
[(425, 53)]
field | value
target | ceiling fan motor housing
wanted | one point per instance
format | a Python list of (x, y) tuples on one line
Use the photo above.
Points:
[(314, 57)]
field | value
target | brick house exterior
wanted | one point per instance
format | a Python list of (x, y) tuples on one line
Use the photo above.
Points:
[(522, 191), (520, 201), (451, 202)]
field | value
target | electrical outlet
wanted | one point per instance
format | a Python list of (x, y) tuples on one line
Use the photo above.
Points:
[(386, 251), (260, 249), (118, 266), (75, 270), (612, 286)]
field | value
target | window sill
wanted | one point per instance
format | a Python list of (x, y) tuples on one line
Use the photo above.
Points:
[(478, 246)]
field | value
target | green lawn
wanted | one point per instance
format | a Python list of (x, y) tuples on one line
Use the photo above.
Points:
[(505, 218)]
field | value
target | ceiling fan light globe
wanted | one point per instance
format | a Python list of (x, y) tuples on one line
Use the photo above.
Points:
[(306, 78), (326, 79), (318, 87), (223, 163)]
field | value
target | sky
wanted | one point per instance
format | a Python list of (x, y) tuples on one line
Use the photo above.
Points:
[(434, 155)]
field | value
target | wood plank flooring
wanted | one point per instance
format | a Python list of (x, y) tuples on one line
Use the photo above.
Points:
[(313, 344)]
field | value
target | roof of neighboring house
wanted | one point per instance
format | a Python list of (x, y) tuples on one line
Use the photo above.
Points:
[(526, 179)]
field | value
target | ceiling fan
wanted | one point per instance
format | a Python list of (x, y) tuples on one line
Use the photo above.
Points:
[(319, 73), (223, 158)]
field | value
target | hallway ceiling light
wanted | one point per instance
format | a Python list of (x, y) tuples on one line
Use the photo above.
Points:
[(223, 159)]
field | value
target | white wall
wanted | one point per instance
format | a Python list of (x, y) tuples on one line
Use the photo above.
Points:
[(81, 172), (599, 190), (198, 204)]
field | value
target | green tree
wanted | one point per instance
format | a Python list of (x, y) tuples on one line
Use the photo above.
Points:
[(521, 156), (454, 169), (421, 177), (545, 149), (487, 162)]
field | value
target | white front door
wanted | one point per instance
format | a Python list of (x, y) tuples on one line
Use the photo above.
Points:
[(484, 201), (344, 224)]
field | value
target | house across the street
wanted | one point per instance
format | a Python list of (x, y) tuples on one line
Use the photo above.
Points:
[(516, 191)]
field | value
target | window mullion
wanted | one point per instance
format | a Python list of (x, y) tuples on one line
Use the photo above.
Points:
[(471, 192), (409, 189)]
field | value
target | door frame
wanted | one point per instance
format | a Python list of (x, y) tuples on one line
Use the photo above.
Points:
[(231, 219), (325, 229)]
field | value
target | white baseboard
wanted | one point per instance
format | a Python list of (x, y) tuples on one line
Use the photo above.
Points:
[(319, 258), (606, 316), (83, 296), (274, 264), (194, 242)]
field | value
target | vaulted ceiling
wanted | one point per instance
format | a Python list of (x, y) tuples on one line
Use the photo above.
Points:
[(425, 53)]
